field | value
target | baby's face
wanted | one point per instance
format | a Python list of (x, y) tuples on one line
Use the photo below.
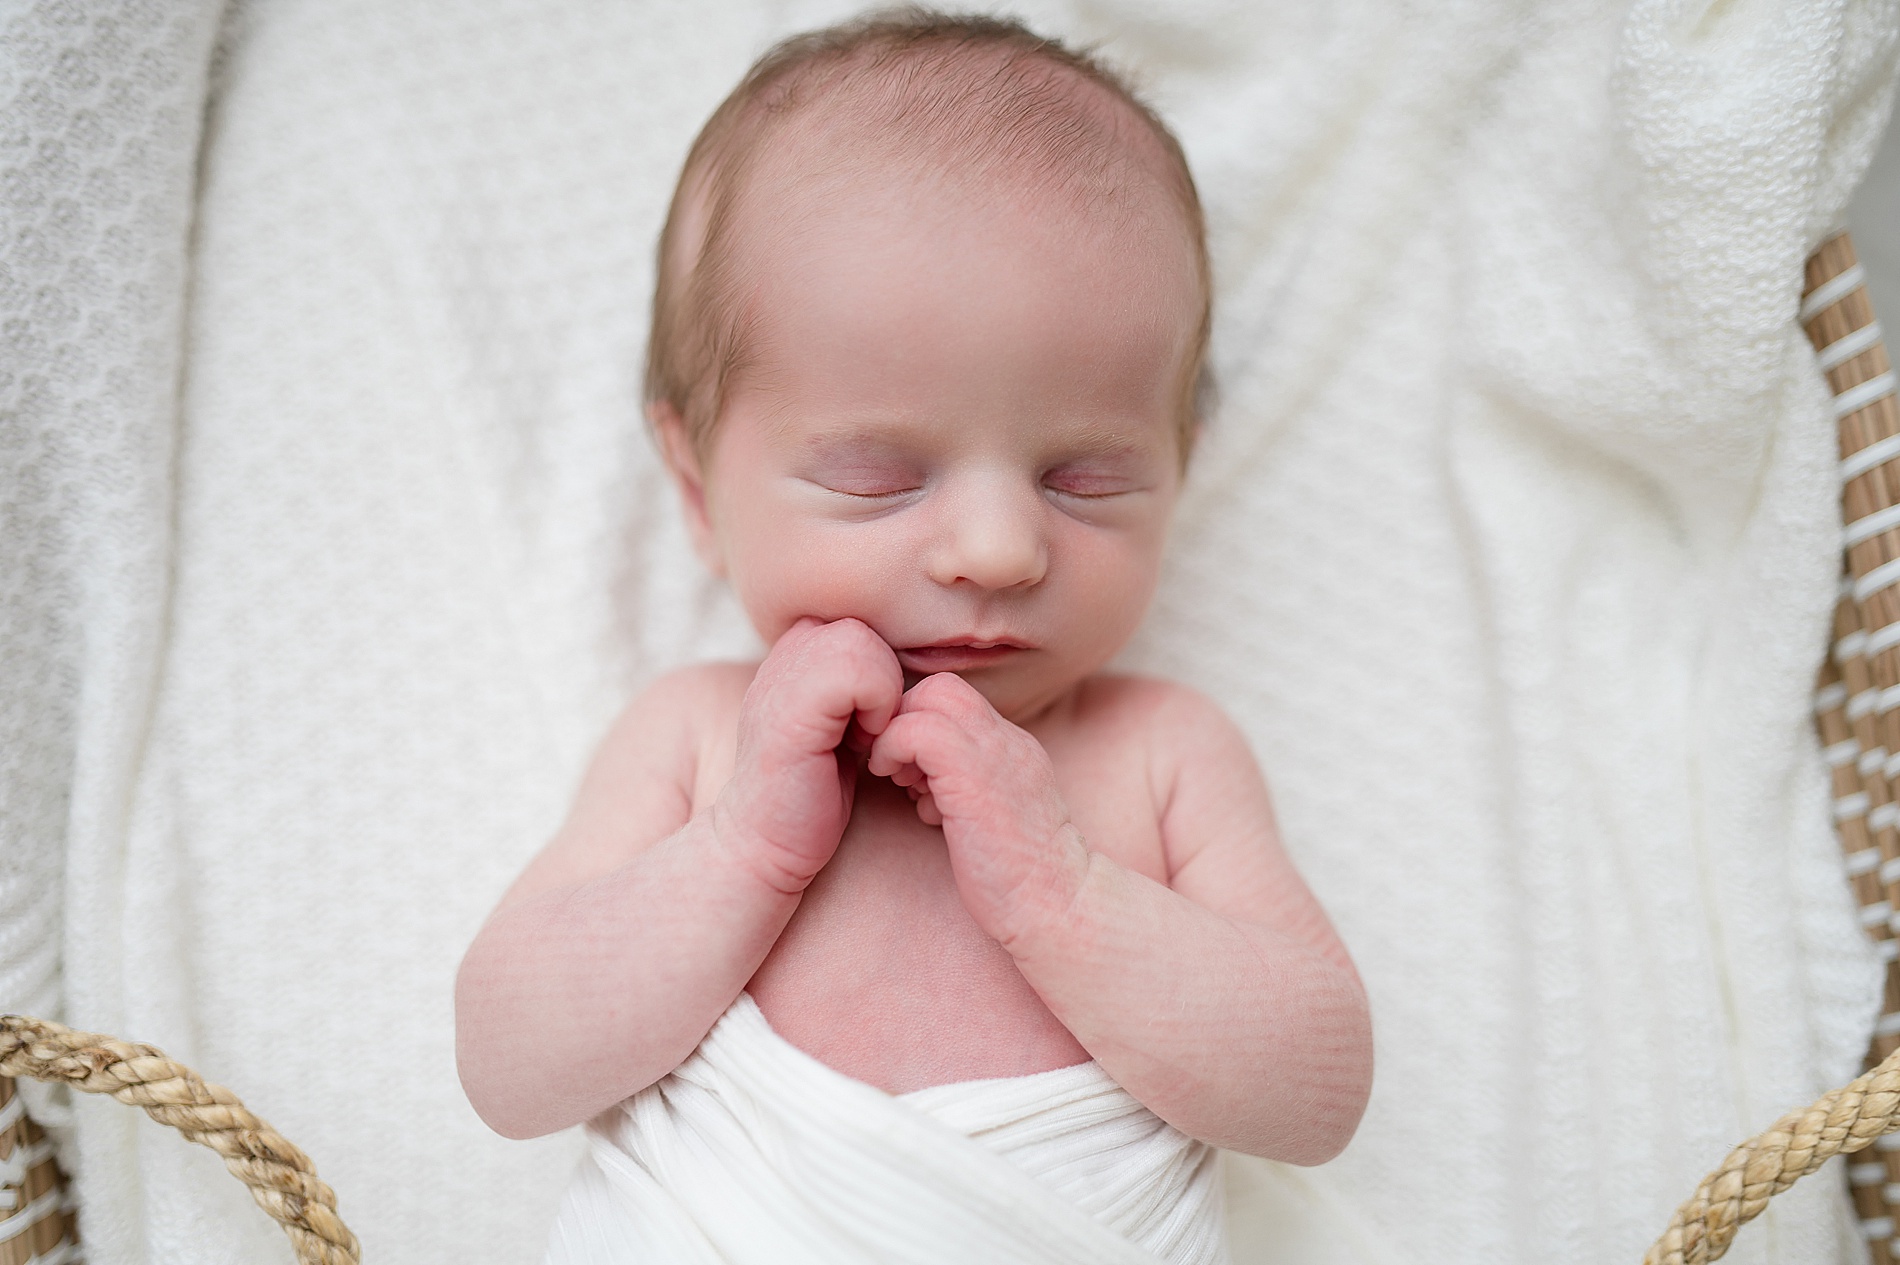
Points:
[(959, 424)]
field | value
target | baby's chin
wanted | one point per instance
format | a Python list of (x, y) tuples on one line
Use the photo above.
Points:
[(1019, 698)]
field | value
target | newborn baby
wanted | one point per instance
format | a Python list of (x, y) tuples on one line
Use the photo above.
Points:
[(924, 939)]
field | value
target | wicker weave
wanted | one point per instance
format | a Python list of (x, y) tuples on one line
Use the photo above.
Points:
[(37, 1224)]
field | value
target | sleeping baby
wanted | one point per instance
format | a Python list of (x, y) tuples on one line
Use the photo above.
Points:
[(925, 939)]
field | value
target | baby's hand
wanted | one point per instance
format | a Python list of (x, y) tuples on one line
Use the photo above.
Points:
[(992, 788), (791, 789)]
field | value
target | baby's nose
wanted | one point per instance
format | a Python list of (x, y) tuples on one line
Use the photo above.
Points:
[(992, 536)]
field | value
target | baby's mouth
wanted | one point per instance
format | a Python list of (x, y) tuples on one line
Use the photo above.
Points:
[(957, 656)]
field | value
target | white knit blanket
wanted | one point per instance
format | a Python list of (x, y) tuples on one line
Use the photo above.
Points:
[(754, 1153), (1511, 547)]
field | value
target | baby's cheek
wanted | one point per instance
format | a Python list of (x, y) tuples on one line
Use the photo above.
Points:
[(790, 571), (1116, 582)]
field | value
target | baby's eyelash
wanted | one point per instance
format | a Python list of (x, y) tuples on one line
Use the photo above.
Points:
[(890, 495), (874, 488), (1089, 488)]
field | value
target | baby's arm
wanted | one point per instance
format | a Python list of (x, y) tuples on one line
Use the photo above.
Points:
[(625, 939), (1224, 1001)]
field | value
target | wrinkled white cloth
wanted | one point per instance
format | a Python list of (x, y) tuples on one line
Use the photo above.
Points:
[(1511, 548), (754, 1153)]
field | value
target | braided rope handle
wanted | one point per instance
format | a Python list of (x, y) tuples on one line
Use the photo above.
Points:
[(1839, 1123), (281, 1178)]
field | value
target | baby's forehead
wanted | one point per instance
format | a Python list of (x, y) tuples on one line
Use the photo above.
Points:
[(956, 131), (989, 123), (958, 168)]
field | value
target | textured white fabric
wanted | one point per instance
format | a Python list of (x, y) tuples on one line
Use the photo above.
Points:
[(100, 114), (754, 1153), (1511, 547)]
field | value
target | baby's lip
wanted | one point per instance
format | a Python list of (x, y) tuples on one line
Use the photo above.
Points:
[(972, 643), (959, 654)]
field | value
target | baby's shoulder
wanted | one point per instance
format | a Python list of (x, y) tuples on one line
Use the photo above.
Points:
[(1168, 726), (1147, 707), (1137, 755), (1206, 784), (696, 689), (678, 716)]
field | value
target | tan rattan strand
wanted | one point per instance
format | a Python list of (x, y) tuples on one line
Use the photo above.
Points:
[(281, 1178), (36, 1222)]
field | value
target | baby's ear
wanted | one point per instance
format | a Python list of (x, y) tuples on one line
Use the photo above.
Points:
[(682, 461)]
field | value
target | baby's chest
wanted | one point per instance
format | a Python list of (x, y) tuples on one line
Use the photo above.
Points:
[(884, 975), (889, 892)]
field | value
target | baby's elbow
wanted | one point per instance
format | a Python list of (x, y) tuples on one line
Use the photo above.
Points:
[(1325, 1131), (487, 1090), (1313, 1157), (1340, 1103), (1316, 1122), (478, 1064), (515, 1129), (1325, 1141), (496, 1115)]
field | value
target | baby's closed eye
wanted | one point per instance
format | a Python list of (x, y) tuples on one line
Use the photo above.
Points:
[(1096, 478), (870, 475), (872, 482), (849, 465)]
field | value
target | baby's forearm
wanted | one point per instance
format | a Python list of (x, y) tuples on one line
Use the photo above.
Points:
[(577, 997), (1232, 1032)]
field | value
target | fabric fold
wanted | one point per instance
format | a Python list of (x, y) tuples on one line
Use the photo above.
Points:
[(753, 1150)]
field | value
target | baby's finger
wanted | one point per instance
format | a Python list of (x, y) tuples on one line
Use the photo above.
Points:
[(885, 760), (901, 774), (820, 677), (926, 740), (950, 694), (927, 811), (880, 684)]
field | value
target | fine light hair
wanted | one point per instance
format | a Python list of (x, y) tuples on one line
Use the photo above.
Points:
[(976, 100)]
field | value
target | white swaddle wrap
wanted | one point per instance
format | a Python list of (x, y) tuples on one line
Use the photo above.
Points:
[(753, 1151)]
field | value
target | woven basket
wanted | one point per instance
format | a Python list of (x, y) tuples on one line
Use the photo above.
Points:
[(1857, 709)]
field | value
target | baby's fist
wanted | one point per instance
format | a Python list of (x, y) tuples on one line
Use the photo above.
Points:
[(992, 788), (791, 789)]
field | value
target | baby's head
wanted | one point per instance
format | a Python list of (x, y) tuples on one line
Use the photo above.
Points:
[(928, 333)]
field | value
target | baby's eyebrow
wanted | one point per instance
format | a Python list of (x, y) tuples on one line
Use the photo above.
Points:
[(1096, 444), (897, 437), (857, 424), (855, 442), (1098, 441)]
